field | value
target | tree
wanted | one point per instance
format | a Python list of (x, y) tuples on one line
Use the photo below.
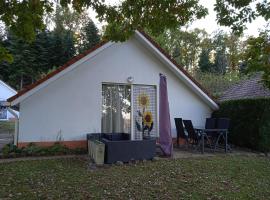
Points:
[(220, 63), (157, 16), (62, 47), (31, 60), (24, 18), (219, 44), (4, 54), (227, 52), (236, 13), (257, 56), (89, 36), (234, 47), (204, 62), (66, 19), (183, 45), (49, 50), (218, 83), (21, 70), (189, 44), (78, 25)]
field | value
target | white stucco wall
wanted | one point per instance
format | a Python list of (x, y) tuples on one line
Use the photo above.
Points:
[(71, 105)]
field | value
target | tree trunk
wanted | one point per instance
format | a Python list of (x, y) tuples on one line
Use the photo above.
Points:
[(21, 82)]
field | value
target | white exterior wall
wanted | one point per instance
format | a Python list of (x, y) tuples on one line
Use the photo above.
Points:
[(6, 92), (71, 105)]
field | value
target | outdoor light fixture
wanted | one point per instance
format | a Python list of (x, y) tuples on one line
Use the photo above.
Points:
[(130, 79)]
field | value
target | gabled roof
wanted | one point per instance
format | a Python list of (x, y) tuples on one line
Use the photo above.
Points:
[(181, 68), (149, 43), (53, 73), (247, 89)]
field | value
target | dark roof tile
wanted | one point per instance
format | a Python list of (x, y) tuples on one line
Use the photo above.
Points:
[(247, 89)]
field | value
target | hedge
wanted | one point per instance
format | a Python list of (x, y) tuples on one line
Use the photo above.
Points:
[(250, 122)]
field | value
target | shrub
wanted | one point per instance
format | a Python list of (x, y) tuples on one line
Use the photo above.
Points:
[(10, 149), (58, 149), (250, 122), (32, 149), (79, 151)]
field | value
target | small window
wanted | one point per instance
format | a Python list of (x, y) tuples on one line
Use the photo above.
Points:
[(116, 108)]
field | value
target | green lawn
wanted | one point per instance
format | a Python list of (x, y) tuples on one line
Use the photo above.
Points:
[(224, 177)]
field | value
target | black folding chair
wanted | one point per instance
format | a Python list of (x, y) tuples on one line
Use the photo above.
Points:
[(210, 123), (222, 123), (180, 131), (193, 135)]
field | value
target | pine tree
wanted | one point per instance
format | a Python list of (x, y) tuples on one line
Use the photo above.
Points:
[(31, 60), (221, 62), (89, 36), (204, 62)]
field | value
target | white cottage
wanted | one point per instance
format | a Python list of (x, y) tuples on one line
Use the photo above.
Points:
[(111, 88), (6, 92)]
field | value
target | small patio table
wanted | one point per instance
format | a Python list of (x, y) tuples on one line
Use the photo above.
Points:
[(221, 132)]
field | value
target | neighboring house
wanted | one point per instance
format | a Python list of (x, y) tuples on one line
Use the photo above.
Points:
[(110, 88), (247, 89), (6, 92)]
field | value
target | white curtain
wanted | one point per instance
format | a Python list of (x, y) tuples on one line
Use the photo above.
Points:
[(115, 108)]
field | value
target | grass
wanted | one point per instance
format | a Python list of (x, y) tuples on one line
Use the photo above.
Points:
[(221, 177), (7, 126)]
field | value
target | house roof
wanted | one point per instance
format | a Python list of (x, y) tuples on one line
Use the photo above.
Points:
[(183, 74), (8, 87), (247, 89), (53, 73), (181, 68)]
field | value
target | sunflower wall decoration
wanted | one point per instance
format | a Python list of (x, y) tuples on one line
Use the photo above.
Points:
[(144, 119)]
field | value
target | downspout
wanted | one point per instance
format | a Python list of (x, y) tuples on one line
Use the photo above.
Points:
[(16, 125)]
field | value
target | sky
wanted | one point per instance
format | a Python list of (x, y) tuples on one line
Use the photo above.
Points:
[(208, 23)]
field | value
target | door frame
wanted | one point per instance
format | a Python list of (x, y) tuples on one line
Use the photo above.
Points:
[(131, 104)]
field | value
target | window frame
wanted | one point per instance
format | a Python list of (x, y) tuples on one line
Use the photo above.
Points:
[(131, 104), (117, 84)]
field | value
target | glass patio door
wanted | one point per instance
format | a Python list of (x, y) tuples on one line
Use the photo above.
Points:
[(129, 109)]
